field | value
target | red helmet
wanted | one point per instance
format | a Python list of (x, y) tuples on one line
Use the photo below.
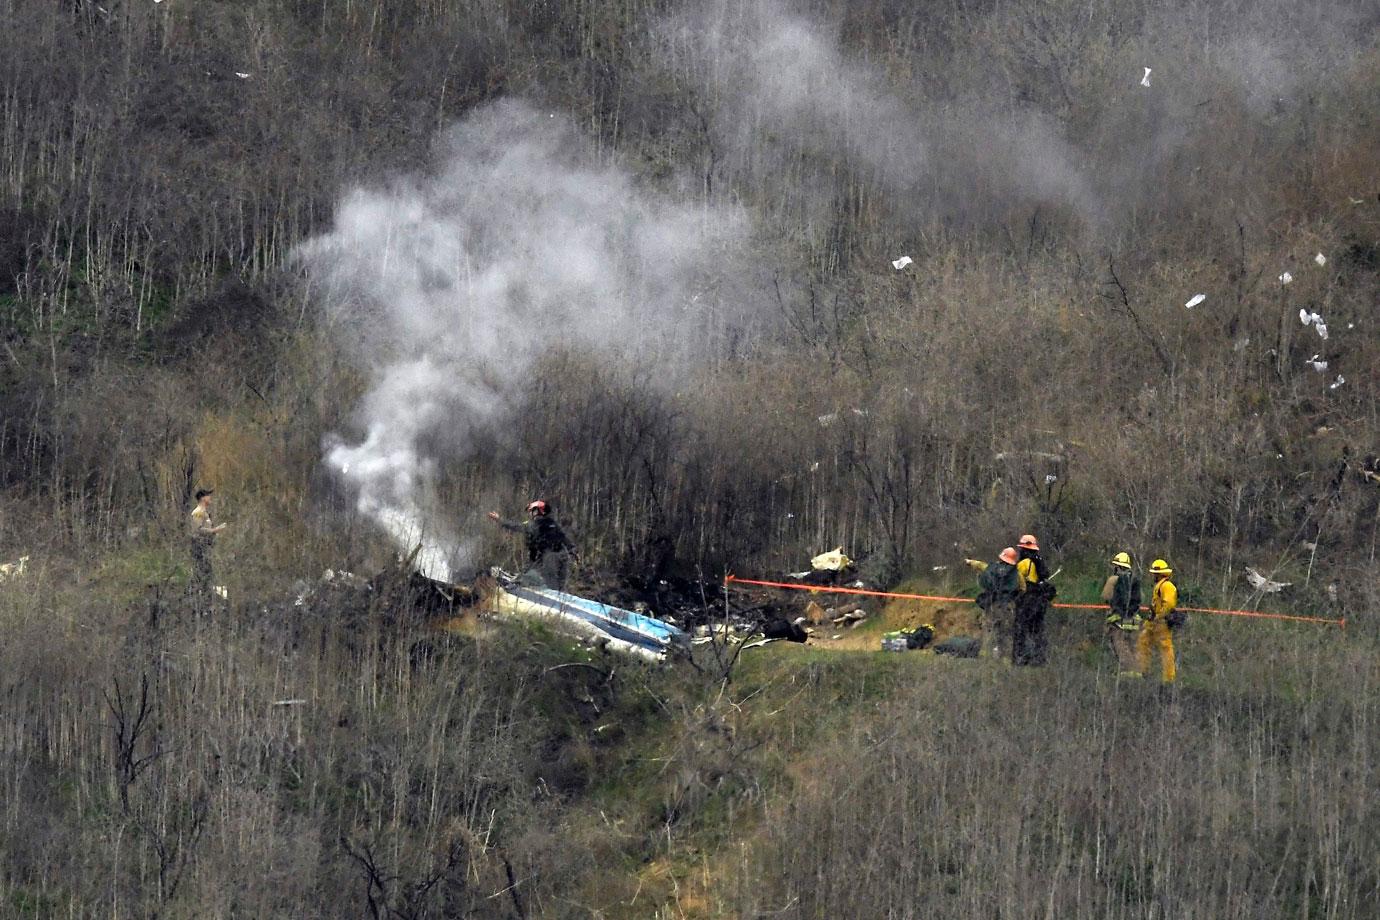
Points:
[(1029, 542), (1008, 555), (538, 506)]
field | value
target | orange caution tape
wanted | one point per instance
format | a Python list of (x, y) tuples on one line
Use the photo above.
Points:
[(733, 579)]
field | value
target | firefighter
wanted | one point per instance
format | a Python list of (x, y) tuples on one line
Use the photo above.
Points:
[(1121, 594), (549, 550), (1029, 644), (1159, 626), (202, 529), (1001, 585)]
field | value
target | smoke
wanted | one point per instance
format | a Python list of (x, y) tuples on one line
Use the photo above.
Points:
[(784, 91), (449, 288), (1014, 106)]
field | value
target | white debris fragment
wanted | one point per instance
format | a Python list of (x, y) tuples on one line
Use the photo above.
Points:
[(1322, 330), (861, 413), (1355, 200), (1285, 278), (1311, 547), (1336, 383), (288, 702), (1261, 583), (1307, 318), (1050, 479), (1145, 80), (1332, 592), (814, 467), (901, 263), (1318, 365), (11, 570), (826, 420), (938, 568), (221, 592), (1320, 259), (1241, 344), (1195, 300), (242, 76)]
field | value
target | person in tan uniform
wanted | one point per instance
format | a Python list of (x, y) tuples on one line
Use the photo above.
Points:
[(202, 530)]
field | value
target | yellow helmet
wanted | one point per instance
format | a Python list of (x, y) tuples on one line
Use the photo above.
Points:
[(1160, 567), (1122, 560)]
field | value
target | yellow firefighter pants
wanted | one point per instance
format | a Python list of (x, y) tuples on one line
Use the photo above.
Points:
[(1156, 632)]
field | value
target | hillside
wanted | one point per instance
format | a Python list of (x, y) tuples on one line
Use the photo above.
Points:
[(728, 284)]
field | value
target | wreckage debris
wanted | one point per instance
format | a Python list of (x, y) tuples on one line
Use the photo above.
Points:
[(1261, 583), (1145, 80), (1285, 278), (905, 640), (1195, 300), (1320, 259), (11, 571), (901, 263)]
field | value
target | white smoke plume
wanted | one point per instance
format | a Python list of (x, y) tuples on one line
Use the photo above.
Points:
[(782, 90), (450, 287)]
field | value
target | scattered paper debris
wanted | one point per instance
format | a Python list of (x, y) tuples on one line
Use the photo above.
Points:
[(1285, 278), (242, 76), (1318, 365), (814, 467), (901, 263), (222, 592), (288, 702), (1050, 479), (1145, 80), (12, 570), (1355, 200), (826, 420), (1241, 344), (861, 413), (938, 568), (1261, 583), (1322, 330), (836, 636), (1308, 318), (1195, 300), (1336, 383), (1320, 259)]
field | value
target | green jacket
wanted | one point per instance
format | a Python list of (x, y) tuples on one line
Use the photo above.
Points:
[(1001, 581)]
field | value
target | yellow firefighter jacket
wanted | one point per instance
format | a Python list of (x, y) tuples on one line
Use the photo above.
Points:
[(1164, 599)]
